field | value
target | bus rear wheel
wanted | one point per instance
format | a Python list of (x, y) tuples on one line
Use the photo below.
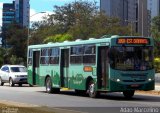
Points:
[(91, 90), (48, 83), (49, 88), (128, 94)]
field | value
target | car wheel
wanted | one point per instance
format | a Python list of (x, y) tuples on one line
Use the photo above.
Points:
[(20, 85), (11, 84), (1, 83)]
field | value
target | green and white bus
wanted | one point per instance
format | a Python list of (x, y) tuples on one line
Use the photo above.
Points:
[(109, 64)]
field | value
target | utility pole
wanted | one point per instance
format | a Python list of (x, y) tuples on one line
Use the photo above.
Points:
[(132, 23)]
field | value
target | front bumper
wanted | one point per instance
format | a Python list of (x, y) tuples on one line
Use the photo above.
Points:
[(119, 87), (20, 80)]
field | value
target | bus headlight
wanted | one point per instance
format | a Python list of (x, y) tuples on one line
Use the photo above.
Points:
[(118, 80), (149, 79)]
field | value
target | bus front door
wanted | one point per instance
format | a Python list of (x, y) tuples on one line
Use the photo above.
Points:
[(102, 67), (35, 73), (64, 67)]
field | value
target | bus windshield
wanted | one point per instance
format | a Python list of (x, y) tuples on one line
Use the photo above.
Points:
[(131, 58)]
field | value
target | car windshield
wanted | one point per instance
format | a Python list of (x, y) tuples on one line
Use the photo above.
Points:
[(131, 58), (18, 69)]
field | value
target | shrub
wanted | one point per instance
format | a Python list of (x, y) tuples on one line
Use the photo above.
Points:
[(157, 64)]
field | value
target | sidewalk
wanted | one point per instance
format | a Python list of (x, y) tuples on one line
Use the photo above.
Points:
[(157, 86), (157, 81)]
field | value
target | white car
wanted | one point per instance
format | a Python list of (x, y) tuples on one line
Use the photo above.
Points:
[(13, 74)]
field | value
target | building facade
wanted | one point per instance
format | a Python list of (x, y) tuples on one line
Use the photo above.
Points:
[(18, 12), (123, 9), (8, 17), (22, 12), (143, 18), (132, 12)]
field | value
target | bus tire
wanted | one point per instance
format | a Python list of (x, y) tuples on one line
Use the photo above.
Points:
[(48, 83), (128, 94), (91, 90), (20, 84)]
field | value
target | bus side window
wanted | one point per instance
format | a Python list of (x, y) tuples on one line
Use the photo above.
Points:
[(54, 56), (76, 54), (44, 56), (89, 56)]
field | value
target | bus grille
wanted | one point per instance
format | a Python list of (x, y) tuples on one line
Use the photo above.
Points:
[(135, 75), (133, 80)]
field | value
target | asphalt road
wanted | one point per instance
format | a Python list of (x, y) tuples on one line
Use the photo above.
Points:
[(107, 103)]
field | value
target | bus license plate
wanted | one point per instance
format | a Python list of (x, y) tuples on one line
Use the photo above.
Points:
[(135, 85)]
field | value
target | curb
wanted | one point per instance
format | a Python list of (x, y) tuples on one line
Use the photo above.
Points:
[(153, 92)]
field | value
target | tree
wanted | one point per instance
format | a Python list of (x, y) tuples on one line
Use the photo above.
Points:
[(2, 56), (81, 19), (16, 37), (155, 29), (58, 38)]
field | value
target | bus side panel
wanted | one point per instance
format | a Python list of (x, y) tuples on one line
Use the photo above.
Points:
[(55, 75), (30, 77), (44, 71), (52, 71), (77, 77)]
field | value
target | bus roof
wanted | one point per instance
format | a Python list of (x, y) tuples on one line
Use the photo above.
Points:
[(104, 39)]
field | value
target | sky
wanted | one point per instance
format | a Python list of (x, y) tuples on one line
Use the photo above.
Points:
[(39, 6)]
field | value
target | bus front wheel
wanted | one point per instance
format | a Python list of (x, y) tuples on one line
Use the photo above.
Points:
[(128, 94), (91, 90), (48, 83)]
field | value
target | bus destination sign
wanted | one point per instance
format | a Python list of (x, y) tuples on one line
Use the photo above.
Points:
[(133, 41)]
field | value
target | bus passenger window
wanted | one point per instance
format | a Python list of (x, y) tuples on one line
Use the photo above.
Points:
[(54, 56), (44, 56), (76, 54), (89, 56)]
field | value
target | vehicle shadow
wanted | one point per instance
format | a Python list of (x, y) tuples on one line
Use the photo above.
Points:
[(16, 85), (113, 96)]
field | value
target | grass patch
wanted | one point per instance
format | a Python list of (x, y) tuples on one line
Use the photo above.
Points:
[(153, 92), (13, 109)]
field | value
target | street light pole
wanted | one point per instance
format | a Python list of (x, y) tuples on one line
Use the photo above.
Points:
[(132, 22), (29, 27), (142, 19)]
